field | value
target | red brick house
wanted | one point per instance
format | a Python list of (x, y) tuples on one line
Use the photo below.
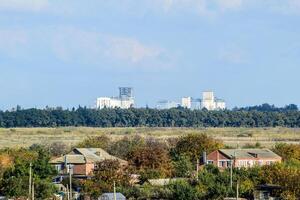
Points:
[(222, 158), (82, 161)]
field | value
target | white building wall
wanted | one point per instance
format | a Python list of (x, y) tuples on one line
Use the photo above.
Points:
[(186, 102), (196, 104), (208, 101), (220, 105), (128, 103), (115, 103), (211, 103), (167, 104), (103, 102), (107, 102)]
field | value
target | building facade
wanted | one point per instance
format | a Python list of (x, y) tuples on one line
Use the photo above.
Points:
[(166, 104), (82, 161), (125, 100), (223, 158), (210, 102), (186, 102)]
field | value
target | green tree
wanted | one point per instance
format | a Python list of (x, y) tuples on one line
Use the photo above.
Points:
[(193, 145), (182, 190), (15, 178), (106, 173), (288, 151), (183, 166), (102, 141), (153, 156), (126, 146)]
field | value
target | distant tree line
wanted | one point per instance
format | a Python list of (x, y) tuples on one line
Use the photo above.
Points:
[(260, 116), (269, 108)]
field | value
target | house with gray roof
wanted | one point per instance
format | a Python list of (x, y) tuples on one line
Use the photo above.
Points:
[(82, 161), (223, 158)]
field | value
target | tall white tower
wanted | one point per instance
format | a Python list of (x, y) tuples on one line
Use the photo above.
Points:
[(208, 100)]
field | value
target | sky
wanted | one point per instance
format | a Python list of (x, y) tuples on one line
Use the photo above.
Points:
[(69, 52)]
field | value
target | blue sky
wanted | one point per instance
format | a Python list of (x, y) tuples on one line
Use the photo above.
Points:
[(68, 52)]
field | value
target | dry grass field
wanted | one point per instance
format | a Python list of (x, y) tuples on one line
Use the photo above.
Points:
[(267, 137)]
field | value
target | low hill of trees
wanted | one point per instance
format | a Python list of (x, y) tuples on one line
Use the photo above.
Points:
[(259, 116)]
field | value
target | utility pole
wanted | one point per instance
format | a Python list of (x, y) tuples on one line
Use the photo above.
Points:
[(29, 192), (32, 198), (231, 165), (68, 197), (70, 174), (197, 169), (115, 195), (237, 190), (231, 169)]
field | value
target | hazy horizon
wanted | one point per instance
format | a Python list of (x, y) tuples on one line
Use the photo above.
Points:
[(68, 53)]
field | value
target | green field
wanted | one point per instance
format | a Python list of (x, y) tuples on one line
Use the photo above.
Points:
[(267, 137)]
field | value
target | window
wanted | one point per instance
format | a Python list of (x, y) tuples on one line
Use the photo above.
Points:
[(210, 162), (228, 163), (222, 163), (58, 167)]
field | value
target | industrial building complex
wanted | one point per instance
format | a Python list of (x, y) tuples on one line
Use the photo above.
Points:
[(208, 101), (125, 100)]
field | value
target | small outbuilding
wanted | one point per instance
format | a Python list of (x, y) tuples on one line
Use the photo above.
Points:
[(110, 196), (266, 192)]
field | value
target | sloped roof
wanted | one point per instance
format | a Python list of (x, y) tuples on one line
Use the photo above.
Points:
[(249, 153), (86, 155), (163, 181), (74, 159), (110, 196)]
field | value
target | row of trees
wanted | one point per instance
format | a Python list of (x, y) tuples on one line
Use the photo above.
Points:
[(151, 158), (177, 158), (14, 172), (269, 108), (176, 117)]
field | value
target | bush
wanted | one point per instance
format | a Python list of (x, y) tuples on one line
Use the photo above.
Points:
[(288, 151), (182, 190), (102, 141), (183, 166), (58, 148), (193, 145), (123, 148)]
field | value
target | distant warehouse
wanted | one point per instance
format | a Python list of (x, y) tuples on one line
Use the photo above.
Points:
[(125, 100), (208, 101)]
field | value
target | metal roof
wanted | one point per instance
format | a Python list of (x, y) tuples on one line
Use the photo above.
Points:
[(110, 196), (249, 153), (73, 159), (86, 155)]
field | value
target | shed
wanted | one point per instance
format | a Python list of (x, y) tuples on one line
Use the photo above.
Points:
[(110, 196)]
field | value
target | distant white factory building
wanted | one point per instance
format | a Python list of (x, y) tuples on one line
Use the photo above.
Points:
[(125, 100), (186, 102), (211, 103), (208, 101), (166, 104)]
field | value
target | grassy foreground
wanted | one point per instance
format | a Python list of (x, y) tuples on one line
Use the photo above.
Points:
[(267, 137)]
